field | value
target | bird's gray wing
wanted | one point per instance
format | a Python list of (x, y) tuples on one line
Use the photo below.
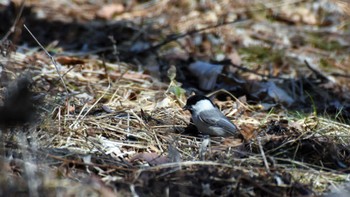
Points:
[(216, 119)]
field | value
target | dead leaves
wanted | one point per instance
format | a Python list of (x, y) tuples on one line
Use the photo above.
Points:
[(151, 158), (108, 11), (66, 60)]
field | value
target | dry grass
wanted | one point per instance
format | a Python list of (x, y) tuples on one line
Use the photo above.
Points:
[(115, 131), (95, 140)]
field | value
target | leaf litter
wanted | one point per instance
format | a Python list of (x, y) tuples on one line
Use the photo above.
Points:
[(117, 128)]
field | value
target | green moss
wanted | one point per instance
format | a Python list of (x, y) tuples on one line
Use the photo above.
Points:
[(260, 54), (327, 65), (318, 41), (324, 63)]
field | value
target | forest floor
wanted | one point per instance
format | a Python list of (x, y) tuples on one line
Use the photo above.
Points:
[(92, 97)]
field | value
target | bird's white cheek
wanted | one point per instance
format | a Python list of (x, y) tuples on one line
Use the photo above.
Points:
[(203, 105)]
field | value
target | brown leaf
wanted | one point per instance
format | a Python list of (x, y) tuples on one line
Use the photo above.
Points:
[(151, 158), (65, 60), (235, 57), (232, 142), (138, 77), (247, 130), (108, 11)]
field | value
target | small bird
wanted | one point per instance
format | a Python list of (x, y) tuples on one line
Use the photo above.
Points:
[(208, 119)]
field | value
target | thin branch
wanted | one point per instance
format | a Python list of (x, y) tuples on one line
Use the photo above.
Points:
[(317, 73), (51, 58), (263, 155), (172, 38), (13, 27)]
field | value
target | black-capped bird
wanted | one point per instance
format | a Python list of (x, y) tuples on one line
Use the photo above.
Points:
[(208, 119)]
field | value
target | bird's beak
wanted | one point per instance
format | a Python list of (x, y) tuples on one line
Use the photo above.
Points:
[(186, 107)]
